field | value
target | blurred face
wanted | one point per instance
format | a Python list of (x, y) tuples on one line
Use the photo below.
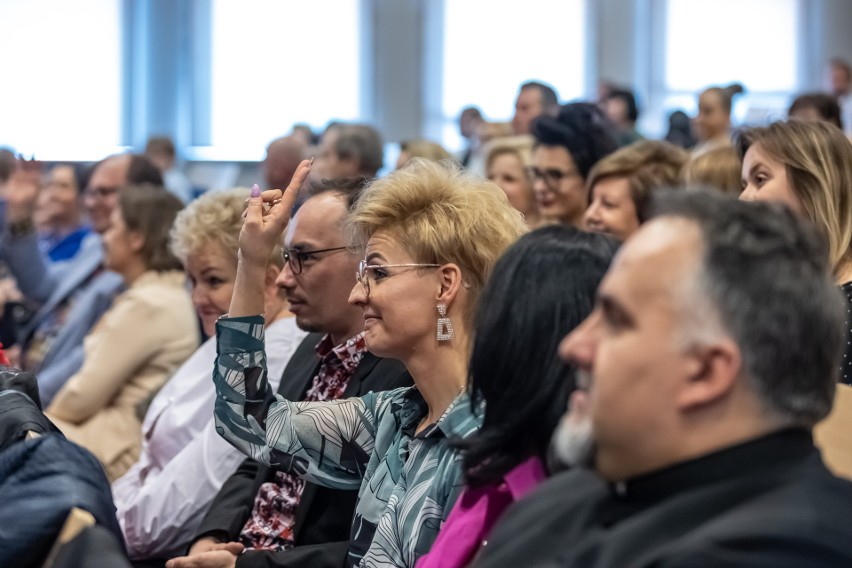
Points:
[(807, 114), (328, 164), (319, 295), (712, 120), (560, 191), (403, 159), (400, 310), (765, 179), (629, 348), (527, 107), (616, 110), (101, 197), (467, 124), (121, 246), (612, 210), (211, 273), (507, 171), (840, 80), (58, 201)]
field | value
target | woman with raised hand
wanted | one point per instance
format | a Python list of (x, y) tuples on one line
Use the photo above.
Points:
[(430, 236), (516, 374)]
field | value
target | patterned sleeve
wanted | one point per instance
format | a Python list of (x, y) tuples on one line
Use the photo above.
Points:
[(328, 443)]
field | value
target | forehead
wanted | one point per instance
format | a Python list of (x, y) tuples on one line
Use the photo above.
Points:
[(529, 96), (552, 156), (318, 221), (612, 186), (111, 173), (211, 254), (386, 244), (655, 264)]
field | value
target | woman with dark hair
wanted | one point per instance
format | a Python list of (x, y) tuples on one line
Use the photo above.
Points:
[(816, 107), (146, 334), (566, 148), (516, 376)]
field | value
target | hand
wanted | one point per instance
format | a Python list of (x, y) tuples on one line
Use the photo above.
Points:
[(210, 559), (207, 544), (266, 218), (22, 191)]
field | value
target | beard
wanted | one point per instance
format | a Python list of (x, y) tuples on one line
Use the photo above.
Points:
[(574, 444)]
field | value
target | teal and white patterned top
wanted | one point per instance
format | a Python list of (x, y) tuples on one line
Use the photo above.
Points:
[(408, 483)]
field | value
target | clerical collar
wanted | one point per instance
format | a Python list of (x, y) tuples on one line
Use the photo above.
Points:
[(782, 448)]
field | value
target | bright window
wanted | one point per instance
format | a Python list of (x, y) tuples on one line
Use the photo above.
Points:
[(62, 68), (490, 48), (276, 63)]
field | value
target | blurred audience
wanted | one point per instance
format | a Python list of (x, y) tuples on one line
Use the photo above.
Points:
[(161, 151), (507, 165), (58, 215), (534, 99), (349, 150), (816, 106), (470, 120), (420, 148), (283, 156), (719, 168), (149, 331), (840, 81), (713, 121), (620, 107), (680, 131)]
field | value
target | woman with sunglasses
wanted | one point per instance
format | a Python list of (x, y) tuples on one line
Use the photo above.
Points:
[(430, 236)]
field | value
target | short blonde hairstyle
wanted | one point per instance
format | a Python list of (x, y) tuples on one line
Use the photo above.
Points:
[(420, 148), (440, 215), (520, 146), (215, 218), (719, 168), (648, 165), (818, 161)]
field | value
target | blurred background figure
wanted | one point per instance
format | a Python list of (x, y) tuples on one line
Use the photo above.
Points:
[(620, 106), (161, 151), (816, 106), (680, 130), (470, 120), (713, 122), (840, 80), (282, 158), (420, 148), (507, 165), (534, 99), (59, 212), (719, 168), (348, 150)]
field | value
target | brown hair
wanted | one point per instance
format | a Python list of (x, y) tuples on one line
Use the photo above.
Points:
[(151, 211), (648, 165), (719, 168), (818, 161)]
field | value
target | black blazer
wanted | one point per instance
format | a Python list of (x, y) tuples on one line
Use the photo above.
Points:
[(324, 516)]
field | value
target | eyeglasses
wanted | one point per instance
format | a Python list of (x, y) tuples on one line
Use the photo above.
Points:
[(376, 272), (99, 192), (551, 176), (296, 257)]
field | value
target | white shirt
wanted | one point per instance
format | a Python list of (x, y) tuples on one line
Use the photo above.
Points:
[(162, 499)]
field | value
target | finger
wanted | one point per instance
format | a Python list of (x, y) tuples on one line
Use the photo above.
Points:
[(254, 211), (292, 191), (234, 548)]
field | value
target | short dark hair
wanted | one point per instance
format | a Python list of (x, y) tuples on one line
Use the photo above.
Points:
[(361, 143), (549, 98), (629, 101), (350, 188), (142, 171), (542, 287), (160, 145), (151, 211), (824, 104), (582, 129), (765, 272)]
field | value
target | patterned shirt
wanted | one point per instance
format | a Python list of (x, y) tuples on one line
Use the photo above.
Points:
[(271, 523), (407, 482)]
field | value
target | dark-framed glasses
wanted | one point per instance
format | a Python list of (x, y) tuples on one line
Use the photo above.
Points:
[(297, 257), (551, 176), (367, 272)]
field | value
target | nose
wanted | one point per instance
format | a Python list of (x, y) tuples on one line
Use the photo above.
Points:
[(578, 347), (590, 217), (538, 184), (357, 296), (286, 279), (749, 193), (199, 298)]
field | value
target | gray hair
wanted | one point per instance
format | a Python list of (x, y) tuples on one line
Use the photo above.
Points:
[(764, 272), (361, 143)]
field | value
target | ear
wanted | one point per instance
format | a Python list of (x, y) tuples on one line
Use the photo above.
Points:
[(713, 374), (270, 288), (136, 240), (449, 283)]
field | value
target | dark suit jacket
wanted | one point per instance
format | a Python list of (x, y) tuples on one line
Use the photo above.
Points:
[(324, 516), (768, 503)]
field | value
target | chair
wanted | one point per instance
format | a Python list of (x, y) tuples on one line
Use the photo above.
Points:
[(834, 434)]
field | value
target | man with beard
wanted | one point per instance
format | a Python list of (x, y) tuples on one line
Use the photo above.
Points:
[(709, 357)]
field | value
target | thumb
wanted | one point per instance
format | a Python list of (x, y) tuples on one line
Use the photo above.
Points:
[(234, 548), (254, 211)]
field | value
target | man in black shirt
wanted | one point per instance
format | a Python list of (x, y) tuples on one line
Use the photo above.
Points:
[(710, 356)]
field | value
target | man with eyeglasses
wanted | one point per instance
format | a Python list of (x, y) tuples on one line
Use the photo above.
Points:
[(278, 519), (72, 295)]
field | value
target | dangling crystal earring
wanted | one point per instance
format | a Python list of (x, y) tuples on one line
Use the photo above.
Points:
[(445, 325)]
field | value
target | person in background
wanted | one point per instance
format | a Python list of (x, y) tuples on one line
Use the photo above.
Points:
[(719, 168), (840, 82), (469, 121), (807, 166), (282, 158), (816, 106), (161, 151), (621, 109), (713, 121), (147, 333), (431, 236), (699, 410), (420, 148), (680, 131), (507, 165), (520, 384), (565, 150), (349, 151), (534, 99), (58, 214), (621, 185), (183, 463)]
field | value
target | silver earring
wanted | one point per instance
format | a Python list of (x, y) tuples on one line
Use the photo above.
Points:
[(445, 325)]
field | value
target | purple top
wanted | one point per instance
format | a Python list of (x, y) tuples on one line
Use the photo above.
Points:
[(475, 514)]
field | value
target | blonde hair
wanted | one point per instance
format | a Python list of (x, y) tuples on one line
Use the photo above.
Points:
[(818, 161), (420, 148), (440, 215), (520, 146), (214, 218), (719, 167), (648, 165)]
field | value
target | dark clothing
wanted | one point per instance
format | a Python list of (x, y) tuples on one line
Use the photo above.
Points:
[(846, 364), (324, 516), (766, 503)]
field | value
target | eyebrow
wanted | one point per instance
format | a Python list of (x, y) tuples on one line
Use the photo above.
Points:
[(374, 255), (755, 167), (612, 308)]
